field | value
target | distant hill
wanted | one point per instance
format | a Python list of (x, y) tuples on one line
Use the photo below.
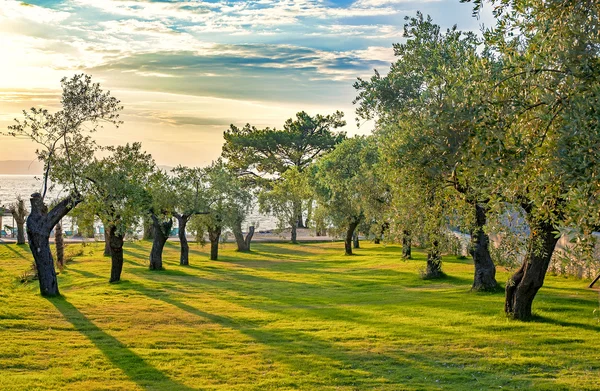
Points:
[(21, 167)]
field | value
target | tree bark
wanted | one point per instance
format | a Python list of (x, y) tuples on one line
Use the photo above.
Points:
[(107, 252), (349, 234), (39, 225), (239, 236), (485, 270), (434, 262), (184, 256), (59, 243), (522, 287), (309, 211), (148, 233), (382, 230), (20, 232), (298, 212), (294, 235), (406, 245), (161, 229), (249, 236), (355, 241), (19, 214), (116, 254), (214, 233)]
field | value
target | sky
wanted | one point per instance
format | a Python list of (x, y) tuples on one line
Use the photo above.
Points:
[(185, 70)]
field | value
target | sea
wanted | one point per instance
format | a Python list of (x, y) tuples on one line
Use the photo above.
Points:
[(13, 186)]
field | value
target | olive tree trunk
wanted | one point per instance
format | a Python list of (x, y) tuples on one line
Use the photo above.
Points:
[(148, 226), (522, 287), (107, 252), (381, 232), (239, 235), (20, 232), (161, 229), (355, 241), (485, 270), (59, 243), (19, 214), (349, 234), (184, 256), (434, 262), (39, 225), (214, 233), (294, 235), (249, 236), (406, 245), (116, 254)]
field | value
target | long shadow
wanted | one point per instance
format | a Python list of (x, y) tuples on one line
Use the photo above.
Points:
[(10, 246), (294, 348), (135, 367), (544, 319)]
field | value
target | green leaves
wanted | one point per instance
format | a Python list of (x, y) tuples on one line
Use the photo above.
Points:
[(269, 152), (116, 187)]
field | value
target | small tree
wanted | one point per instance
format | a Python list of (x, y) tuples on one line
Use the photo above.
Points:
[(161, 212), (284, 198), (345, 182), (190, 200), (19, 213), (65, 150), (117, 193), (228, 201)]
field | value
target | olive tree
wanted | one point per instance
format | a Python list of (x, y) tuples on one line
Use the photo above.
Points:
[(346, 182), (64, 148), (284, 198), (190, 200), (426, 108), (229, 202), (543, 129), (116, 191), (19, 212)]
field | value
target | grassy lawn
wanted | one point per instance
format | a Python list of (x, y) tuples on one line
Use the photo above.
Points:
[(287, 317)]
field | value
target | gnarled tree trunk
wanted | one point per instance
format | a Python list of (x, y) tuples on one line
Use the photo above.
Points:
[(239, 235), (20, 231), (522, 287), (355, 241), (162, 229), (309, 212), (349, 234), (381, 232), (434, 262), (148, 226), (214, 233), (19, 214), (59, 243), (406, 244), (107, 252), (249, 236), (294, 235), (184, 256), (116, 254), (39, 225), (485, 270)]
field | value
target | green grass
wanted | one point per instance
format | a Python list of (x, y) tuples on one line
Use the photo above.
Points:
[(287, 317)]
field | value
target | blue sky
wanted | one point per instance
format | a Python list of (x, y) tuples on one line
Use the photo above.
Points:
[(185, 70)]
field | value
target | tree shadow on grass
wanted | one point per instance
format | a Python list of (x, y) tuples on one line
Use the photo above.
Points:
[(11, 247), (563, 323), (135, 367), (342, 366)]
